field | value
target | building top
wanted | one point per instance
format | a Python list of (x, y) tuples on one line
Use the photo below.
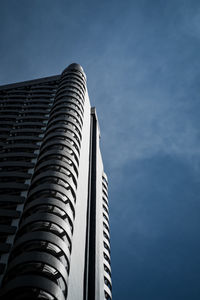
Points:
[(29, 82), (75, 66)]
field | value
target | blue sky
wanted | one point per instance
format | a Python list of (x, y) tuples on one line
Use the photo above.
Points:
[(142, 63)]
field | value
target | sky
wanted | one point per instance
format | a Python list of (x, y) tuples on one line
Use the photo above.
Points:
[(143, 74)]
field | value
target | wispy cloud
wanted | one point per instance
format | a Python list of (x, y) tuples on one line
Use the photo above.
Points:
[(147, 91), (142, 63)]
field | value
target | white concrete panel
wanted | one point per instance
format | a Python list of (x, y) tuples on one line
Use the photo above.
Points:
[(76, 276), (99, 225)]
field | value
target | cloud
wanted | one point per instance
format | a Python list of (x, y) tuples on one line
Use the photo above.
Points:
[(142, 63), (147, 92)]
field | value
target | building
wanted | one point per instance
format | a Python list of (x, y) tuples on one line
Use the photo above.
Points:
[(54, 224)]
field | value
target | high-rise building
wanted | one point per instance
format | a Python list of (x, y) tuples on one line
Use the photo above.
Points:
[(54, 223)]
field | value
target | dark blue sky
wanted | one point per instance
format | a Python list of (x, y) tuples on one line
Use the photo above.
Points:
[(143, 66)]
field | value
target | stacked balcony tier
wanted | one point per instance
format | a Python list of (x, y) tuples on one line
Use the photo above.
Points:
[(41, 252)]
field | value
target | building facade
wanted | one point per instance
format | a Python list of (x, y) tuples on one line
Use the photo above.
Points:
[(54, 222)]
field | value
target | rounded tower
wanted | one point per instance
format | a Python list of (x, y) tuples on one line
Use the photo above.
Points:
[(41, 252)]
